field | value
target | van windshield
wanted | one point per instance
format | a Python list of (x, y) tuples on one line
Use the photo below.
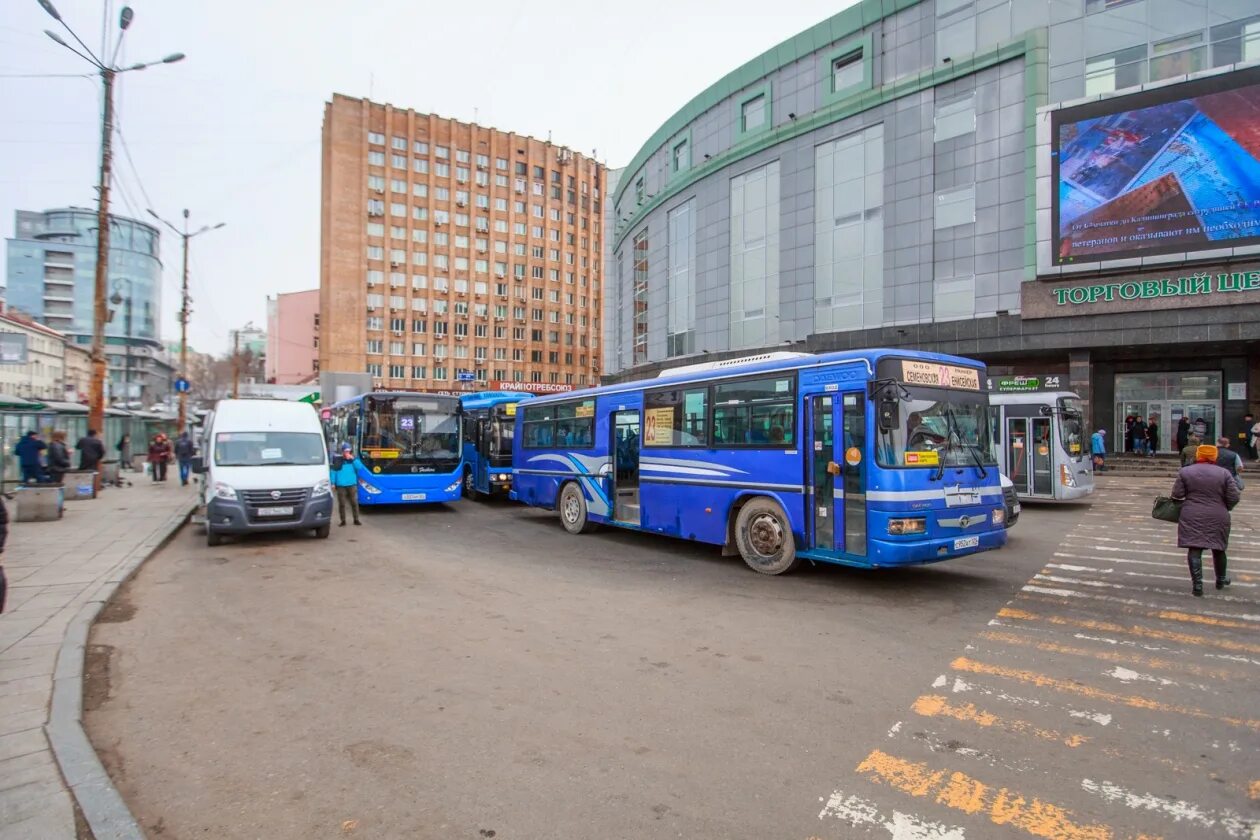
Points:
[(268, 449)]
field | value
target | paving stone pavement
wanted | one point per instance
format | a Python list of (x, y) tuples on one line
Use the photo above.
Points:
[(54, 569)]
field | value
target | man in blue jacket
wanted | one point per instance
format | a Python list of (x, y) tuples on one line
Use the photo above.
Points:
[(344, 474), (28, 451)]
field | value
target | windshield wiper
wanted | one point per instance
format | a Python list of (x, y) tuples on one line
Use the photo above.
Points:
[(956, 434)]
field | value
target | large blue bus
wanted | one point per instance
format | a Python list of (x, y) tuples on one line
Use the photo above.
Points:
[(489, 424), (409, 443), (869, 458)]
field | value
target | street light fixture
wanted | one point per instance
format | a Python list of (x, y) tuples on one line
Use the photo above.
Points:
[(184, 311), (108, 72)]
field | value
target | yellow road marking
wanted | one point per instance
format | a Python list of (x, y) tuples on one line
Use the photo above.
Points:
[(1173, 615), (1254, 791), (962, 663), (933, 705), (1132, 630), (1166, 615), (971, 796), (1113, 656)]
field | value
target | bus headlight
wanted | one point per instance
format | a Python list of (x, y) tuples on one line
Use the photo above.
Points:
[(454, 487), (504, 476), (321, 488), (1065, 476), (901, 527), (368, 488), (999, 516)]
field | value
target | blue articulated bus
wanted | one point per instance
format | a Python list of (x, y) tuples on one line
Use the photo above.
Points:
[(869, 458), (409, 443), (489, 425)]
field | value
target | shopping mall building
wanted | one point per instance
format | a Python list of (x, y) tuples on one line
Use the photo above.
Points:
[(1059, 187)]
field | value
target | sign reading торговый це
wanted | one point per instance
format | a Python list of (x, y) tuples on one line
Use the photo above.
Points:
[(1051, 299)]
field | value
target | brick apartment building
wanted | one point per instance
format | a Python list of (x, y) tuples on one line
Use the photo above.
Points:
[(455, 256)]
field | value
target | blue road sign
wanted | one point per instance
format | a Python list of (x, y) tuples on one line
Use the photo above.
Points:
[(466, 376), (182, 386)]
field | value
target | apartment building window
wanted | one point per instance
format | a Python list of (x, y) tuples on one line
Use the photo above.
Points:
[(420, 147), (375, 252), (481, 330), (375, 229), (397, 255), (500, 180), (375, 346), (375, 207), (420, 190), (461, 240), (420, 214), (375, 322), (397, 209), (397, 279), (376, 183), (461, 287), (461, 174), (954, 119), (754, 113), (439, 373), (1115, 71), (399, 143), (420, 327), (376, 139), (373, 368), (681, 156), (397, 232), (847, 71), (461, 264), (420, 166), (419, 372), (376, 158), (755, 257), (420, 235), (397, 348), (441, 170), (955, 207), (640, 311), (398, 161), (461, 219), (441, 152), (419, 258), (680, 336), (501, 164)]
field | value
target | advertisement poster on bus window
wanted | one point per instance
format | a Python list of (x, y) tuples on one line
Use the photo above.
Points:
[(658, 426)]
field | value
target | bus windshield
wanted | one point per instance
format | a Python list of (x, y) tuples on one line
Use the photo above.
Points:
[(939, 427), (1071, 426), (410, 434), (501, 431)]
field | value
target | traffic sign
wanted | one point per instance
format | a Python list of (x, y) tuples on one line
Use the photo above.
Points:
[(466, 376), (182, 386)]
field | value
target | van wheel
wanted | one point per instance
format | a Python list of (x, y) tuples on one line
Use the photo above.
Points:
[(470, 485), (573, 509), (764, 537), (213, 539), (321, 533)]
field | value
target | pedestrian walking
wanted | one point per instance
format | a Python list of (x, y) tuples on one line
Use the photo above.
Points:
[(1190, 451), (1129, 443), (1207, 494), (4, 536), (91, 450), (1183, 433), (1098, 448), (58, 457), (184, 453), (345, 479), (30, 451), (1200, 428), (1247, 436), (1228, 459), (1152, 435), (1139, 436), (159, 456), (124, 452)]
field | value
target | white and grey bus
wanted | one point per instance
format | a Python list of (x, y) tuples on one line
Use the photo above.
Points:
[(1040, 439)]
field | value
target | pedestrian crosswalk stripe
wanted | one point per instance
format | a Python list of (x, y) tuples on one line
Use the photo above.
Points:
[(1132, 630), (1112, 656), (934, 705)]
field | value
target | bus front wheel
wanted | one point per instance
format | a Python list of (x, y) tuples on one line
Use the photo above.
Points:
[(470, 485), (764, 538), (573, 509)]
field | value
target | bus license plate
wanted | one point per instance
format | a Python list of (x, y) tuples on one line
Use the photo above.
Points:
[(413, 497), (275, 511), (966, 542)]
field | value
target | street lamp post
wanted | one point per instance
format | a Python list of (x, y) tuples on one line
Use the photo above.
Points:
[(100, 310), (116, 299), (184, 301)]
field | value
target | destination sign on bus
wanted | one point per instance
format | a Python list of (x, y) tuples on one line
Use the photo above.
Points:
[(1025, 384), (938, 375)]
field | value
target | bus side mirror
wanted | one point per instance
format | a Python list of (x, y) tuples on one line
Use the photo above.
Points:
[(889, 414), (1046, 411)]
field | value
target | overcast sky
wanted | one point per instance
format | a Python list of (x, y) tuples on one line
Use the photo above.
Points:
[(233, 132)]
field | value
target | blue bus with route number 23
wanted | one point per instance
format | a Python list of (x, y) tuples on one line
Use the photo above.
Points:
[(870, 458)]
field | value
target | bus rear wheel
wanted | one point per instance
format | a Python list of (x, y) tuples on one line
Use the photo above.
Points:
[(764, 538), (572, 508), (470, 485)]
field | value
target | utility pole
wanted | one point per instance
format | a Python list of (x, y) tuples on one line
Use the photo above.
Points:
[(100, 310), (236, 363), (185, 300)]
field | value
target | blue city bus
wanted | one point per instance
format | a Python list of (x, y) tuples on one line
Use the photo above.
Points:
[(489, 425), (869, 458), (409, 443)]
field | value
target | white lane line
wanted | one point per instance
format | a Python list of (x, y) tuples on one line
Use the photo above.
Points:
[(1128, 675), (1233, 658), (1179, 810), (1072, 593), (1167, 564), (858, 812), (1064, 567), (962, 686), (1233, 557), (938, 744), (896, 727)]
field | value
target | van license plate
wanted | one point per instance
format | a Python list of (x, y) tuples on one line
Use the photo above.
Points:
[(414, 497), (275, 511), (966, 542)]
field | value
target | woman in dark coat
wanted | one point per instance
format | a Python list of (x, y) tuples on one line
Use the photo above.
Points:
[(1208, 493), (58, 456), (1183, 433)]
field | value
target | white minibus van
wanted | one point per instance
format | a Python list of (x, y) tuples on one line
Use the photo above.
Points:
[(264, 465)]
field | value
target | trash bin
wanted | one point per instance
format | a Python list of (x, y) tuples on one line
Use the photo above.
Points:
[(39, 503), (80, 484)]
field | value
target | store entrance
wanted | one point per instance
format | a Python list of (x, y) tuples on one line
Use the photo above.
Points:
[(1168, 397)]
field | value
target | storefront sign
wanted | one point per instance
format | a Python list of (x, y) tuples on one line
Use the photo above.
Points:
[(533, 387), (1236, 391), (1026, 384), (937, 375), (1048, 298)]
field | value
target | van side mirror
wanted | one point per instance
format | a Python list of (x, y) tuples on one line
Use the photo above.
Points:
[(198, 465), (889, 414)]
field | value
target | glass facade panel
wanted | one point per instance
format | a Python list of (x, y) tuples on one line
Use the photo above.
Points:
[(641, 297), (849, 232), (681, 326), (755, 257)]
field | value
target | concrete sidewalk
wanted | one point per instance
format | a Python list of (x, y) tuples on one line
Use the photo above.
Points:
[(59, 574)]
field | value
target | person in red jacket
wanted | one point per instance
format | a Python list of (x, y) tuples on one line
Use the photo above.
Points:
[(159, 456)]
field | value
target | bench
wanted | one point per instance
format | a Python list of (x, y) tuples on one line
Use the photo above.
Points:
[(39, 503)]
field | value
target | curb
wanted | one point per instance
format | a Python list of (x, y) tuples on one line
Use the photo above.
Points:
[(85, 777)]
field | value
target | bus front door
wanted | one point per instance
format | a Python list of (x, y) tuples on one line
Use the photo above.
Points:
[(1042, 459), (823, 500), (624, 490), (851, 453)]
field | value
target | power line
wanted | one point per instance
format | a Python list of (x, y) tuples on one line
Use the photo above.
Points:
[(47, 76), (130, 162)]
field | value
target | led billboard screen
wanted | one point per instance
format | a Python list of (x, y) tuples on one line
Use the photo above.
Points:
[(1169, 170)]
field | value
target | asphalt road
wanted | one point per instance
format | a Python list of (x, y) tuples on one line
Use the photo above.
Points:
[(474, 671)]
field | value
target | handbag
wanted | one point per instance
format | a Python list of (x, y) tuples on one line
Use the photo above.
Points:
[(1167, 509)]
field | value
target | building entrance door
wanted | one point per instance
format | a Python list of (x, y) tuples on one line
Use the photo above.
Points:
[(1195, 395)]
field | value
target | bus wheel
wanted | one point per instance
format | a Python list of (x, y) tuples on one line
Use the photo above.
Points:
[(573, 509), (470, 485), (764, 537)]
